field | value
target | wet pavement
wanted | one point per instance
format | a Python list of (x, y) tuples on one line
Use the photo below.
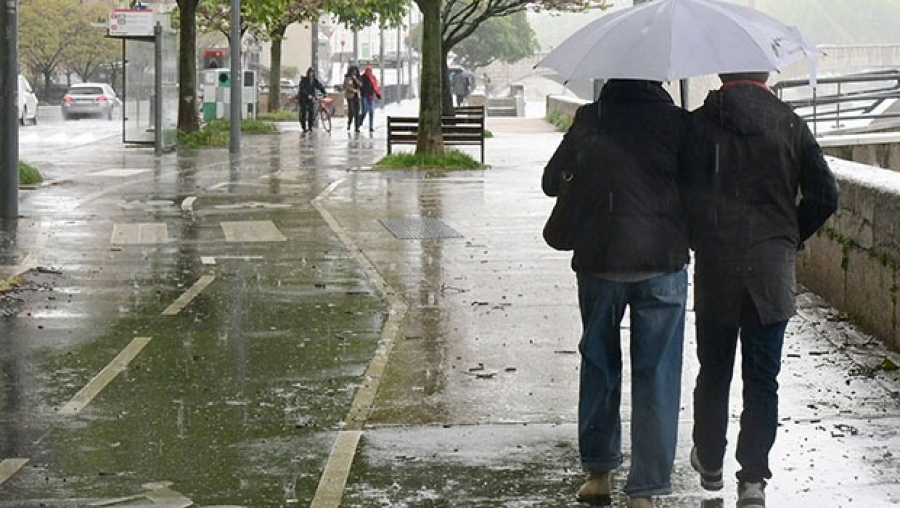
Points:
[(295, 329)]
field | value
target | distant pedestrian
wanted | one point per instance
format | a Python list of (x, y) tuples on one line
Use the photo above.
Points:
[(488, 84), (370, 91), (758, 186), (306, 97), (352, 89), (632, 254), (461, 86)]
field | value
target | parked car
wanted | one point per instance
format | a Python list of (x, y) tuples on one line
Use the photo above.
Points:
[(90, 99), (28, 103)]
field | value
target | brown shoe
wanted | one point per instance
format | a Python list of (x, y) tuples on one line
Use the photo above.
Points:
[(640, 502), (597, 489)]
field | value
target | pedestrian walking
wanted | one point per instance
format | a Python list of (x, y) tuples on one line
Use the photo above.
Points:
[(461, 87), (758, 186), (370, 91), (306, 97), (352, 89), (632, 252)]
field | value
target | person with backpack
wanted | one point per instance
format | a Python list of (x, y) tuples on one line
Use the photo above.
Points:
[(369, 92), (630, 254), (352, 90)]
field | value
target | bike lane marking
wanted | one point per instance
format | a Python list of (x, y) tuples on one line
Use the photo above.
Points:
[(104, 377), (9, 467), (330, 489), (182, 301)]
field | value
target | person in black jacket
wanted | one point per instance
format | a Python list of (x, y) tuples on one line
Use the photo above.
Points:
[(306, 96), (632, 252), (750, 159)]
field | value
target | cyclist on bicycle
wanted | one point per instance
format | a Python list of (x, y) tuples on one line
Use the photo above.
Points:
[(309, 84)]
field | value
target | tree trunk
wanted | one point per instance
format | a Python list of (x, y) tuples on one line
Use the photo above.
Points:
[(430, 138), (188, 120), (277, 36)]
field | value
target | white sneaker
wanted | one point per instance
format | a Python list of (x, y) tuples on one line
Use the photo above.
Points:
[(751, 495)]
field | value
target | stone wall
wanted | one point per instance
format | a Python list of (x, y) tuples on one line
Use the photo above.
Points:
[(854, 260), (881, 150)]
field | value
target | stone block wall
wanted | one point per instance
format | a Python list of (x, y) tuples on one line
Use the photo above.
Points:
[(854, 260)]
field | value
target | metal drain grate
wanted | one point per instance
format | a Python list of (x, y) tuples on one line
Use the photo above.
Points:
[(419, 228)]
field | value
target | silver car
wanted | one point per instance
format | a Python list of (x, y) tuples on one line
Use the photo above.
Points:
[(90, 99)]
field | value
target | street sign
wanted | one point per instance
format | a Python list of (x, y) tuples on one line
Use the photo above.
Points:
[(131, 23)]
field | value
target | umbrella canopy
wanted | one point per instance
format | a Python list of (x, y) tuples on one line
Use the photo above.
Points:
[(665, 40)]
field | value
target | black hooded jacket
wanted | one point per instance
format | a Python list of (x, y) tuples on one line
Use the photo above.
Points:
[(757, 187), (629, 161)]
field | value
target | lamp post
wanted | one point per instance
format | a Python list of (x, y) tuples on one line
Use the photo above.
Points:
[(237, 79), (9, 117)]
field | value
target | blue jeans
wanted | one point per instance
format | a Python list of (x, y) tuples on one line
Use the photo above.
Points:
[(368, 108), (657, 309), (761, 361)]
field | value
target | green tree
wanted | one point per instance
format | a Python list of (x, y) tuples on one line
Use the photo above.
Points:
[(91, 50), (46, 29), (462, 17), (274, 27), (507, 39)]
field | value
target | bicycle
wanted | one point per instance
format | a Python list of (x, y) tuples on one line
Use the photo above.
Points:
[(324, 110)]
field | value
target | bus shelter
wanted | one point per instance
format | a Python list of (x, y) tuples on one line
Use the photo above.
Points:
[(150, 72)]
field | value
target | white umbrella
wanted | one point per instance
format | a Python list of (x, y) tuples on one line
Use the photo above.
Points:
[(666, 40)]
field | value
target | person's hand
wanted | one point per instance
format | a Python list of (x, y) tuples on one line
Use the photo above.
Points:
[(378, 96)]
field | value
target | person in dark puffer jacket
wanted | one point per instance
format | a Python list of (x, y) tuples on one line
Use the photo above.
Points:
[(758, 186), (632, 252)]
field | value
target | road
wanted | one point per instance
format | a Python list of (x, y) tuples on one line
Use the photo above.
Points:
[(41, 142)]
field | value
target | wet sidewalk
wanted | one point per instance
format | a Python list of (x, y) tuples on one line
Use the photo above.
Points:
[(304, 331)]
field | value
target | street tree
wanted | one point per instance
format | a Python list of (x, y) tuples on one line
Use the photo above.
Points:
[(188, 119), (92, 50), (506, 39), (462, 17), (274, 27), (430, 138), (358, 14), (46, 29)]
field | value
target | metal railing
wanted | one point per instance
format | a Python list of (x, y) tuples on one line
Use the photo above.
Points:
[(837, 99)]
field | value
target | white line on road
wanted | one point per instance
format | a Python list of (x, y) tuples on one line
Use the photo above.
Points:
[(9, 467), (104, 377), (330, 490), (188, 295), (334, 478)]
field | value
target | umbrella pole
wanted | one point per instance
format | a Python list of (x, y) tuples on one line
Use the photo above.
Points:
[(685, 89)]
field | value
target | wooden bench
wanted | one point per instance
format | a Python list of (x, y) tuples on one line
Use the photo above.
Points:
[(463, 129), (469, 110)]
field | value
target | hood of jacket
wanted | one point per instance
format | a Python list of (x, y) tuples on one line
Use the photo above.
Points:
[(744, 109), (634, 90)]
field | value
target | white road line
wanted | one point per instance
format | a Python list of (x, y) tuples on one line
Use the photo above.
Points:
[(330, 490), (104, 377), (188, 295), (334, 478), (9, 467)]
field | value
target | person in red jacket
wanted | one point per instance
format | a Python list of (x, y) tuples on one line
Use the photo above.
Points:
[(370, 92)]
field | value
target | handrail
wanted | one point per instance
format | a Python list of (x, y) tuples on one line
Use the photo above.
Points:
[(868, 91)]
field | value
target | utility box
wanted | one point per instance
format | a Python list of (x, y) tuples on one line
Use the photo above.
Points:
[(217, 94)]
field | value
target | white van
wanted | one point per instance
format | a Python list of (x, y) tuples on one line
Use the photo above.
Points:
[(28, 103)]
